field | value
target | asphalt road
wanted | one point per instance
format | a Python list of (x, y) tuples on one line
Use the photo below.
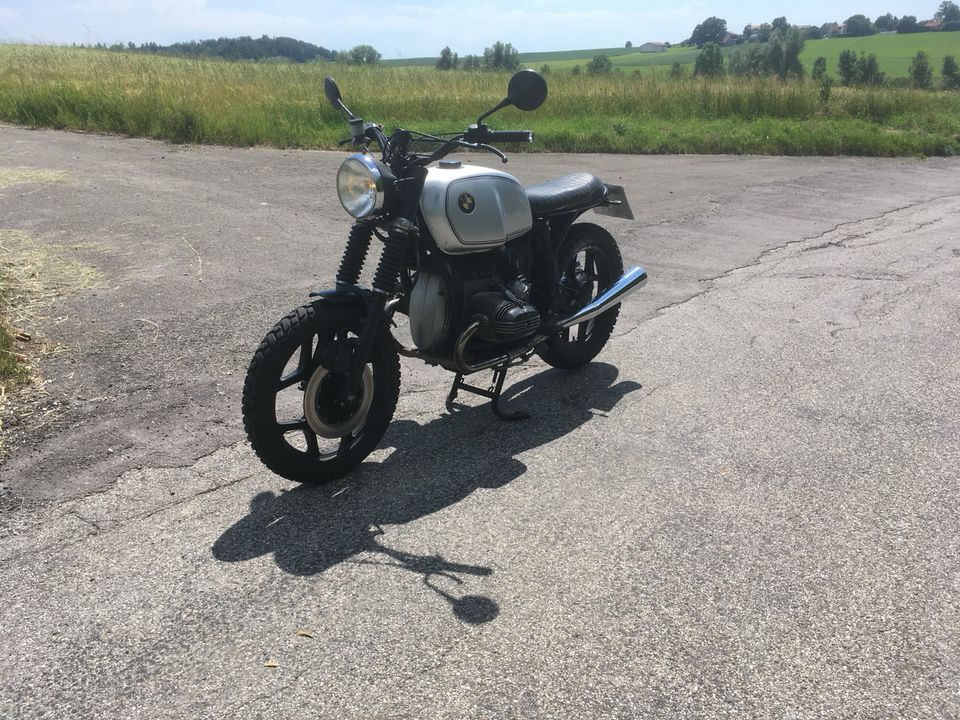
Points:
[(746, 508)]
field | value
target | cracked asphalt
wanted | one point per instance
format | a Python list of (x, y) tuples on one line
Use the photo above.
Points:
[(747, 507)]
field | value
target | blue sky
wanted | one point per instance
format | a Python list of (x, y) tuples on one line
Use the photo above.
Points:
[(414, 29)]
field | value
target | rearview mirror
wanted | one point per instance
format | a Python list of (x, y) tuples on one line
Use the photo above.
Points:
[(527, 90), (332, 92)]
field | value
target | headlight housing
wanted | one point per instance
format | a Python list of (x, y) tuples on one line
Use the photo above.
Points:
[(362, 185)]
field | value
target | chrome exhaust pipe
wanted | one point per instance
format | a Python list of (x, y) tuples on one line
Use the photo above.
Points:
[(632, 279)]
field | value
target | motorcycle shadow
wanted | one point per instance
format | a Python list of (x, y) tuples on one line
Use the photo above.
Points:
[(312, 528)]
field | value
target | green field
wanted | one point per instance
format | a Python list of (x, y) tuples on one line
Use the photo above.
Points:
[(245, 103), (894, 52)]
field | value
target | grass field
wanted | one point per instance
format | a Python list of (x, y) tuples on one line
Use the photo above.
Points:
[(245, 104), (894, 53)]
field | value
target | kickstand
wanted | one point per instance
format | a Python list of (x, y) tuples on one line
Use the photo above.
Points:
[(493, 392)]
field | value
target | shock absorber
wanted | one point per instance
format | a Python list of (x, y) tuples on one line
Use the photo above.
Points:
[(354, 255), (395, 250)]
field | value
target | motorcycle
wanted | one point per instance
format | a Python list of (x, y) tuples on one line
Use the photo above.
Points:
[(489, 273)]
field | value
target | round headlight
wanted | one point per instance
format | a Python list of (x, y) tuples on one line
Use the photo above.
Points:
[(360, 186)]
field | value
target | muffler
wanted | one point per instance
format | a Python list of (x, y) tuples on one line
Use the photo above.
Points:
[(632, 279)]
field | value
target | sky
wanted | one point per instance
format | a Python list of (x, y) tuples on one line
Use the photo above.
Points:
[(411, 29)]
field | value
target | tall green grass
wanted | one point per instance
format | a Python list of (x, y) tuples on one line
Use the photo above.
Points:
[(214, 101)]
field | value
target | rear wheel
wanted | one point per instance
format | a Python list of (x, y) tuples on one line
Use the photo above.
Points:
[(589, 263), (290, 412)]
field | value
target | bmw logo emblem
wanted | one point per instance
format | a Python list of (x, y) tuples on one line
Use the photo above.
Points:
[(467, 203)]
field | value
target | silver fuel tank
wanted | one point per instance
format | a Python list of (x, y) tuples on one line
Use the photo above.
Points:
[(471, 209)]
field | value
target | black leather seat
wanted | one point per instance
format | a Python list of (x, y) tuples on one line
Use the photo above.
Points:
[(570, 192)]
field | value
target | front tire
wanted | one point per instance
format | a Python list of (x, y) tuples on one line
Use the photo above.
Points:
[(291, 419), (590, 262)]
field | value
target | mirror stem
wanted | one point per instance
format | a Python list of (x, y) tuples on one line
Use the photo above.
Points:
[(503, 103)]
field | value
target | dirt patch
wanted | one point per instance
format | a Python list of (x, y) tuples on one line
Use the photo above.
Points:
[(33, 277)]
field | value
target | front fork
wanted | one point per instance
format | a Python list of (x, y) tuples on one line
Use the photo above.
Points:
[(396, 248)]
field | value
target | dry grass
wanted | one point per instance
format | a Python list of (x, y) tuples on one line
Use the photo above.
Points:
[(20, 176)]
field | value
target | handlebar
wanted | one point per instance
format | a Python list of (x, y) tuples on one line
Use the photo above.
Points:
[(476, 137), (483, 134), (517, 136)]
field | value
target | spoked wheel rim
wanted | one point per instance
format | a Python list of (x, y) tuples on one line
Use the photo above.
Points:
[(584, 278), (306, 415)]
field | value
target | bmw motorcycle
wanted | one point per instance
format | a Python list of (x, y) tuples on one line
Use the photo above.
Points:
[(489, 273)]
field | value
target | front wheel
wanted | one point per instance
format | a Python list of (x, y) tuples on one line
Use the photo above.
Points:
[(590, 262), (292, 419)]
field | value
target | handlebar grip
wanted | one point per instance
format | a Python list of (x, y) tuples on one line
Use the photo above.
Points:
[(518, 136)]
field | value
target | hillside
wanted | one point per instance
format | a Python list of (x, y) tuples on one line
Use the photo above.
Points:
[(893, 51)]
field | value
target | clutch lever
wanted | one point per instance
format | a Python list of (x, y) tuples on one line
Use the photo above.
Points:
[(491, 148)]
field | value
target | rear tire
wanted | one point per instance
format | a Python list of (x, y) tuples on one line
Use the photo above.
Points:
[(292, 423), (590, 262)]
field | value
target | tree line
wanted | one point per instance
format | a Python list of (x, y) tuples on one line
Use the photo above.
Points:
[(239, 48), (714, 29), (261, 49), (500, 56)]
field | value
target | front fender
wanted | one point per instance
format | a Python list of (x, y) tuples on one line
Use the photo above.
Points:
[(345, 295)]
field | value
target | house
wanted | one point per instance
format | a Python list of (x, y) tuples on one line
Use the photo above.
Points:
[(830, 29), (653, 47), (931, 24)]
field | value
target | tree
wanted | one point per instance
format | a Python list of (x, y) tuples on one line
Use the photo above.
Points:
[(544, 69), (709, 62), (920, 72), (813, 33), (780, 24), (360, 55), (628, 45), (470, 62), (749, 62), (868, 70), (819, 69), (501, 57), (847, 66), (858, 25), (792, 47), (678, 71), (949, 12), (950, 73), (886, 22), (711, 30), (908, 24), (447, 60), (600, 65), (575, 71)]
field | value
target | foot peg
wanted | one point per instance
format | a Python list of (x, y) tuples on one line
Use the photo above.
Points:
[(493, 392)]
